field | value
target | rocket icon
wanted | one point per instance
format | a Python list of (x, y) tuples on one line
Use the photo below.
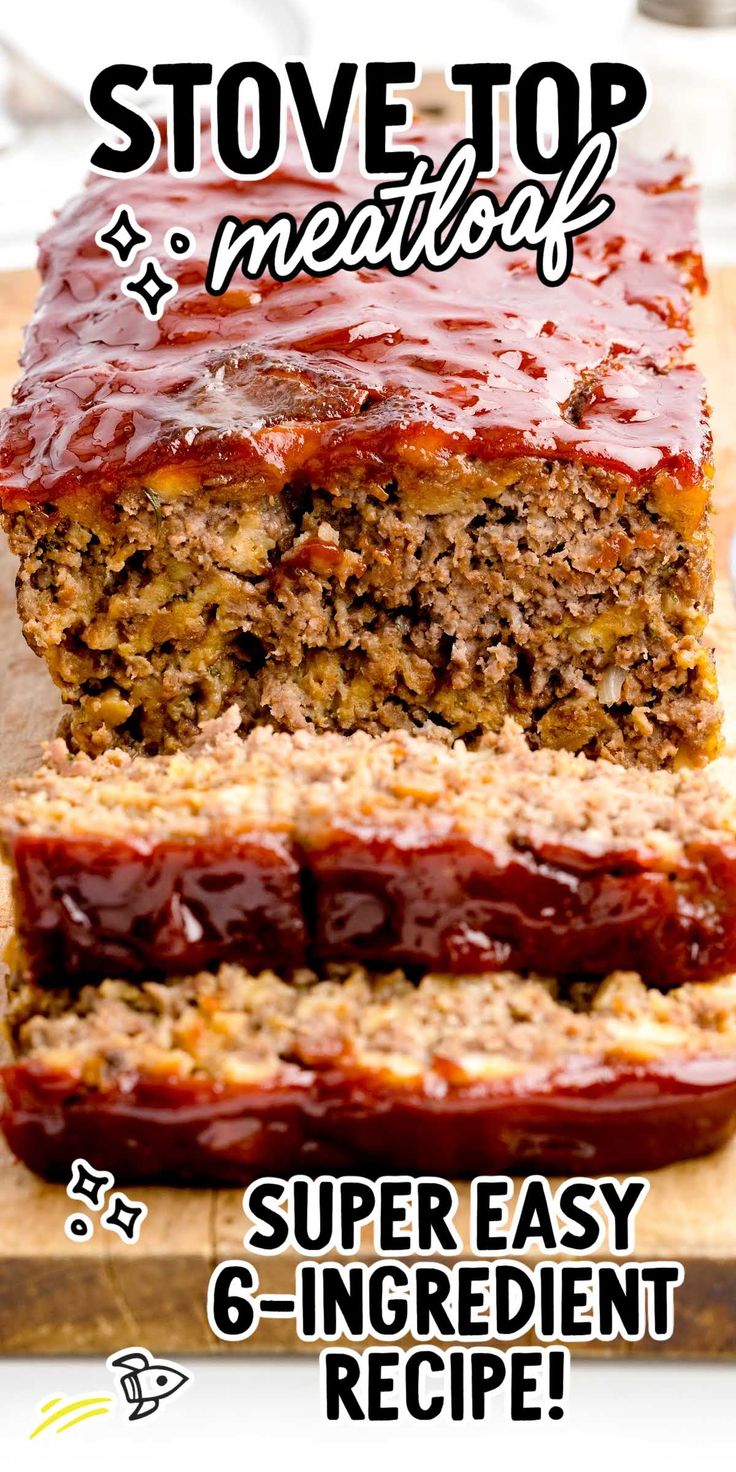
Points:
[(147, 1381)]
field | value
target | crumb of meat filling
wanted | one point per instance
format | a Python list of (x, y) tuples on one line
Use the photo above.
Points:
[(236, 1028), (568, 598), (505, 794)]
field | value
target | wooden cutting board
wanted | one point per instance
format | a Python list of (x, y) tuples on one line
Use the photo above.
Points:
[(59, 1297)]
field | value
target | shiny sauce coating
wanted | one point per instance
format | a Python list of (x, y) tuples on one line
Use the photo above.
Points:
[(589, 1117), (92, 908), (313, 380)]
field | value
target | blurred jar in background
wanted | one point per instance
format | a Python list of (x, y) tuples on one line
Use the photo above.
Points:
[(691, 68), (687, 48)]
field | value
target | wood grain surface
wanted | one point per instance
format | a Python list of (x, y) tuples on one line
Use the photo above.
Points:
[(60, 1297)]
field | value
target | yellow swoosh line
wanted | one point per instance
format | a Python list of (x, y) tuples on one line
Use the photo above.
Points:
[(50, 1403), (101, 1411), (77, 1405)]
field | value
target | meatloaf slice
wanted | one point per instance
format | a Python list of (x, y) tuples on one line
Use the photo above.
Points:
[(225, 1076), (285, 850), (370, 502)]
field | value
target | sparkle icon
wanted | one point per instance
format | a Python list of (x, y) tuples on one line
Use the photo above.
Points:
[(122, 236), (88, 1184), (78, 1228), (179, 242), (125, 1217), (151, 288)]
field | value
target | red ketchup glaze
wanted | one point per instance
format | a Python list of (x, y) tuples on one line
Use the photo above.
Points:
[(596, 1119), (451, 905), (87, 909), (303, 380)]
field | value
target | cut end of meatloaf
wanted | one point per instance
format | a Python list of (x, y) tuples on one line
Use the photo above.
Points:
[(393, 850), (505, 795), (440, 1033), (227, 1076), (572, 599)]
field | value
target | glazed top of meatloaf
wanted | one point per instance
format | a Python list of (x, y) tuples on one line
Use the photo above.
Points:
[(310, 786), (362, 374)]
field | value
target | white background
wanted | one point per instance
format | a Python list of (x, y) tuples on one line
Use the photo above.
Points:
[(261, 1415), (50, 50)]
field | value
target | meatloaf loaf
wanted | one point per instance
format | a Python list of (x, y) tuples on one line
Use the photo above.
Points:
[(284, 850), (220, 1077), (369, 502)]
